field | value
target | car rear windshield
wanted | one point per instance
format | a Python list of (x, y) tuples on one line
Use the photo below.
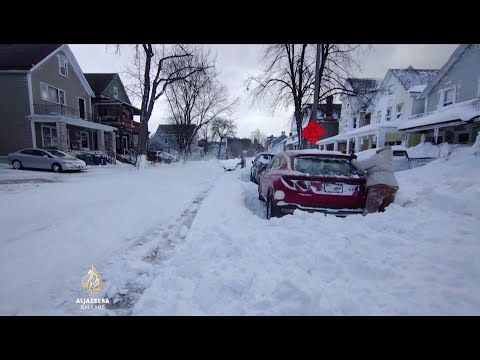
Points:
[(317, 165)]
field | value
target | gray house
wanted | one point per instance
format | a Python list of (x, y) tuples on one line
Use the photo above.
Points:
[(167, 138), (452, 101), (45, 101)]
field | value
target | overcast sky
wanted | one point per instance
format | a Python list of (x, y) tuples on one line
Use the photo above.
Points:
[(236, 62)]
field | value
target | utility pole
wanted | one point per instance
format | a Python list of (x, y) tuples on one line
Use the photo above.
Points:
[(313, 116)]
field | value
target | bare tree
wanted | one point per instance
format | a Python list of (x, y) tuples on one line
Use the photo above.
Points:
[(258, 137), (196, 101), (152, 72), (289, 76), (223, 128)]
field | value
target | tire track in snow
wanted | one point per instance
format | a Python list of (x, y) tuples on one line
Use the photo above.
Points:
[(171, 234)]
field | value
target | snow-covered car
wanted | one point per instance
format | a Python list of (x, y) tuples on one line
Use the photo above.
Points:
[(55, 160), (400, 157), (259, 165), (166, 157), (312, 180)]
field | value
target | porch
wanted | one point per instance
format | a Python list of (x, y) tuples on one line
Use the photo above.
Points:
[(71, 134), (455, 124), (363, 138)]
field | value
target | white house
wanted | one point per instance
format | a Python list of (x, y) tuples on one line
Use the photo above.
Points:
[(395, 100)]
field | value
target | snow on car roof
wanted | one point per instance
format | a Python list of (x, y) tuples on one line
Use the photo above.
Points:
[(314, 152)]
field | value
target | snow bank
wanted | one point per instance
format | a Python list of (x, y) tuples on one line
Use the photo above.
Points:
[(427, 149), (409, 260)]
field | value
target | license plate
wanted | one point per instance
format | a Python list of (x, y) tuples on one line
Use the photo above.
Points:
[(333, 188)]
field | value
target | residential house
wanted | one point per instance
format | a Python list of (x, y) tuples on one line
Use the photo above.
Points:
[(375, 121), (112, 107), (355, 113), (278, 144), (167, 138), (46, 102), (452, 102), (328, 115)]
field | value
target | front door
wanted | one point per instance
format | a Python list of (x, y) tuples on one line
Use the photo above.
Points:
[(81, 108)]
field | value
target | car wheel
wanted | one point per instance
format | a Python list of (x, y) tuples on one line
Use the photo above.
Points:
[(272, 209), (56, 167), (17, 165)]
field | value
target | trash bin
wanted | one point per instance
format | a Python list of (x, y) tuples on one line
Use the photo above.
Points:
[(104, 160), (88, 159), (96, 159)]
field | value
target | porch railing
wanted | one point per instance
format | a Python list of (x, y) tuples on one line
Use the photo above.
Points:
[(55, 109)]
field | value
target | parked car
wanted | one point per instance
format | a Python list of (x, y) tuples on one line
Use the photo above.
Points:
[(259, 164), (166, 157), (55, 160), (312, 180), (401, 160)]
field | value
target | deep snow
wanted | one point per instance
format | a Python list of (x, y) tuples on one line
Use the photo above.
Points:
[(420, 257), (192, 239)]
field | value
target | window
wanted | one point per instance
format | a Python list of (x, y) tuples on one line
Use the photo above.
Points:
[(166, 141), (63, 65), (316, 165), (447, 97), (367, 119), (399, 110), (354, 123), (115, 92), (49, 136), (388, 115), (84, 140), (52, 94), (379, 115), (40, 153), (390, 90), (27, 152)]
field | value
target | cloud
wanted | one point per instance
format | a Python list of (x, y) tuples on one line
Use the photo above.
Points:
[(236, 62)]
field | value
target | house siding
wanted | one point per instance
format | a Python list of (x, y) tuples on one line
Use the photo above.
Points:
[(463, 74), (49, 73), (122, 94), (15, 132)]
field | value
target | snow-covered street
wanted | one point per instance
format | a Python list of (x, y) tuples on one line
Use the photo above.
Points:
[(193, 240)]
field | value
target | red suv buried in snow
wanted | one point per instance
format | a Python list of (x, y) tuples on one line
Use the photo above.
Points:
[(312, 180)]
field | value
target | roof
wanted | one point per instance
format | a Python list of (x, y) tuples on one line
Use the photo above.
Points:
[(363, 85), (278, 140), (99, 81), (441, 73), (24, 56), (337, 108), (411, 77), (463, 111), (169, 129)]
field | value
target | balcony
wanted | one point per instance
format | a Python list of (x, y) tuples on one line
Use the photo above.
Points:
[(460, 112), (55, 109)]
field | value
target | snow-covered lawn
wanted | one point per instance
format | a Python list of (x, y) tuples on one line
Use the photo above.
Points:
[(193, 240)]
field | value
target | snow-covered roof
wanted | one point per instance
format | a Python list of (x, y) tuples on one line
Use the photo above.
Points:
[(329, 140), (462, 111), (411, 77), (363, 85), (291, 140), (313, 152), (417, 88)]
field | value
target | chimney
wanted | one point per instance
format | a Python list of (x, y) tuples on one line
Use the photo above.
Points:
[(283, 132), (329, 108)]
